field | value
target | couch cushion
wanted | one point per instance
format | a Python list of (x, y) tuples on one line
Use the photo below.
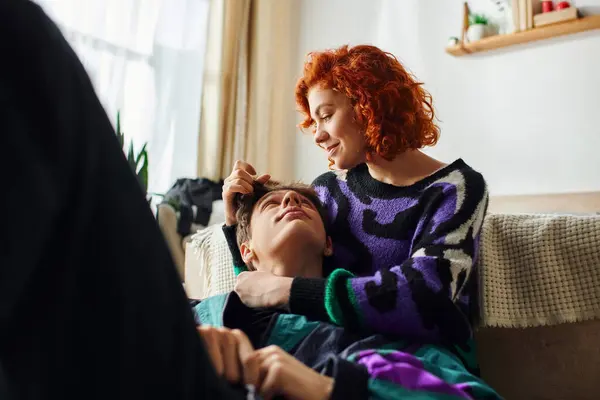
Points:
[(539, 269)]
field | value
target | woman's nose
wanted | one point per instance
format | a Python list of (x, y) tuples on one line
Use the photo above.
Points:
[(320, 136)]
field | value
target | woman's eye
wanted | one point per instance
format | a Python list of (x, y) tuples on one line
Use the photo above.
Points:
[(326, 117)]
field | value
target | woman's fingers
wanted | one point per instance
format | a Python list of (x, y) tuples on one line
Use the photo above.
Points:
[(241, 180), (238, 186), (211, 340), (239, 164), (241, 174), (263, 178)]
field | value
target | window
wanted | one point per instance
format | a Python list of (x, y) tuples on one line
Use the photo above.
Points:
[(145, 59)]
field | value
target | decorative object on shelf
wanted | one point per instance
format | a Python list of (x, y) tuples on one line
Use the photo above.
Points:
[(478, 27), (562, 5), (554, 17), (452, 41), (534, 7), (465, 24), (547, 6), (501, 17), (545, 32), (138, 162)]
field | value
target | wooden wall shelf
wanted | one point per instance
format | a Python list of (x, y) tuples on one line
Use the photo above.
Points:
[(532, 35)]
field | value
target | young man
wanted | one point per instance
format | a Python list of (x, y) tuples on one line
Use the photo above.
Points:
[(281, 230)]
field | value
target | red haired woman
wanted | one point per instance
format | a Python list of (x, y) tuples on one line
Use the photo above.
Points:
[(405, 226)]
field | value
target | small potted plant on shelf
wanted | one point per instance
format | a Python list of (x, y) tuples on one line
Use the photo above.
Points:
[(478, 27)]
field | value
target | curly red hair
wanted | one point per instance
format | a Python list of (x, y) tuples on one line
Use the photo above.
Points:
[(394, 109)]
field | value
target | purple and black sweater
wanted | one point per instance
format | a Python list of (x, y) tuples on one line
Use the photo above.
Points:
[(404, 257)]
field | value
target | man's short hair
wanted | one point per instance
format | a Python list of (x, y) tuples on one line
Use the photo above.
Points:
[(246, 203)]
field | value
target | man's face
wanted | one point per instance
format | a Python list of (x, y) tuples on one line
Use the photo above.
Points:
[(285, 222)]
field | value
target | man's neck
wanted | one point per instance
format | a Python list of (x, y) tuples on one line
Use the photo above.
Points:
[(295, 261)]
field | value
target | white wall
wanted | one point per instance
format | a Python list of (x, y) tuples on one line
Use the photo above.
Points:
[(528, 117)]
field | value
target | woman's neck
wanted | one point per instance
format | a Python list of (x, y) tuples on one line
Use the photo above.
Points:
[(405, 169)]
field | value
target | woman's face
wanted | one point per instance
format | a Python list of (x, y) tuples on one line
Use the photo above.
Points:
[(336, 131)]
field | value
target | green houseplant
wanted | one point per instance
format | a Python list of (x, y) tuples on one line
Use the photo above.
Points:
[(138, 162), (478, 27)]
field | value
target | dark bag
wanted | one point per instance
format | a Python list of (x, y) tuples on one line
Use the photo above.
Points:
[(192, 199)]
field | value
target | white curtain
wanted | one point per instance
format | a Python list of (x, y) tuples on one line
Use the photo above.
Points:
[(145, 59)]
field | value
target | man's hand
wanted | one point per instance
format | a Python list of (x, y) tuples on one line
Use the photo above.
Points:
[(228, 350), (275, 372), (270, 370), (263, 289)]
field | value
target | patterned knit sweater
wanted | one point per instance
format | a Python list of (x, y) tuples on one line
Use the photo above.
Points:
[(404, 257)]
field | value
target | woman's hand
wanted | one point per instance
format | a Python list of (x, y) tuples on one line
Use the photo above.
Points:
[(229, 349), (275, 372), (240, 180), (263, 289)]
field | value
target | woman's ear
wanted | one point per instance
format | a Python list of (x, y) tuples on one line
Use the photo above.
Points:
[(328, 247), (247, 253)]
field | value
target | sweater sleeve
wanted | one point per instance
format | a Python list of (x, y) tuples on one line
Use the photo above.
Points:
[(424, 296), (230, 235)]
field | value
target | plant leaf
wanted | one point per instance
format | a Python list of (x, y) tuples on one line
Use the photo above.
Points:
[(131, 158), (142, 151), (478, 19), (120, 135), (143, 172)]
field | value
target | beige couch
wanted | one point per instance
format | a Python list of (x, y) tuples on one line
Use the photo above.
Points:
[(167, 221), (540, 278)]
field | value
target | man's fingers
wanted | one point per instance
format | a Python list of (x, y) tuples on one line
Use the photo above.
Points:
[(263, 178), (239, 164), (252, 370), (245, 348), (250, 366), (211, 341), (269, 387), (231, 360)]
